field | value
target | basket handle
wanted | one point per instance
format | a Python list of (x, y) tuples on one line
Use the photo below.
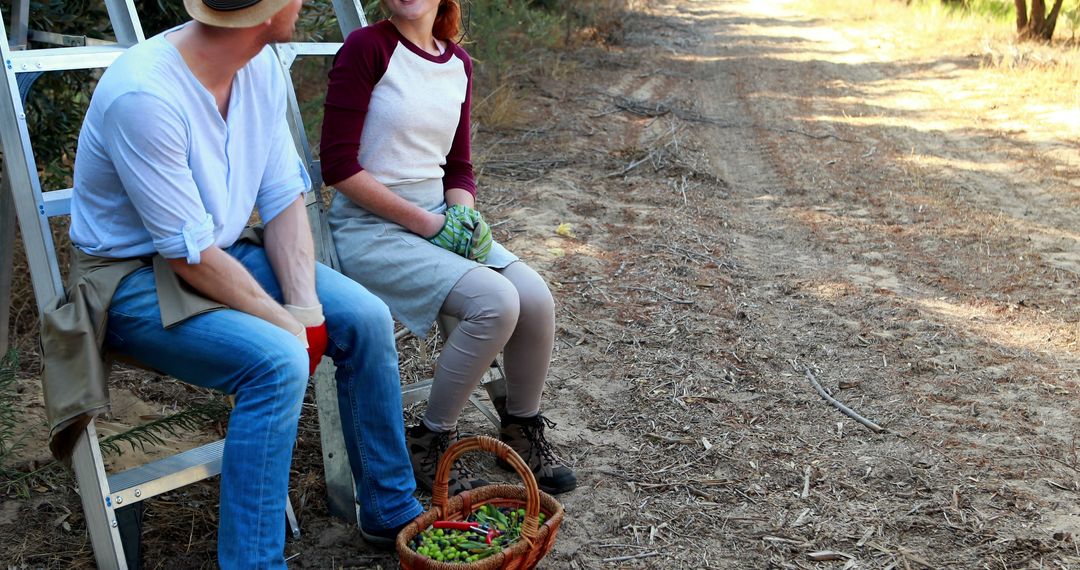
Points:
[(530, 528)]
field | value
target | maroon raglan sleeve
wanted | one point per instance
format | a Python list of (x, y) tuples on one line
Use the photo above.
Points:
[(358, 67), (458, 171)]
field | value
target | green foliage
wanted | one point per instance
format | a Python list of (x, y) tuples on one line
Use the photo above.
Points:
[(152, 433), (994, 9), (500, 35), (159, 15), (13, 436), (318, 23), (1005, 11), (1070, 20), (55, 109), (11, 439)]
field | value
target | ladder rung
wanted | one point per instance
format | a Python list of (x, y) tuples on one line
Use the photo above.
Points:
[(314, 48), (154, 478), (57, 202), (60, 59), (66, 40), (416, 392)]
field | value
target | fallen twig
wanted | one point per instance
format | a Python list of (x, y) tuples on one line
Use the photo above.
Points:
[(631, 557), (630, 166), (826, 555), (838, 405), (655, 292)]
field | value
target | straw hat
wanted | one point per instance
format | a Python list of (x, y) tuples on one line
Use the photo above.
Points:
[(233, 13)]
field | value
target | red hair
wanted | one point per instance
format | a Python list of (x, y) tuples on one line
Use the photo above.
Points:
[(447, 21)]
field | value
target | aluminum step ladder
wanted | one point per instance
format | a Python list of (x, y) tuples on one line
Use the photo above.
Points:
[(104, 494)]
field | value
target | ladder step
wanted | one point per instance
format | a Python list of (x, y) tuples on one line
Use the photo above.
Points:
[(314, 48), (60, 59), (163, 475), (416, 392), (57, 202)]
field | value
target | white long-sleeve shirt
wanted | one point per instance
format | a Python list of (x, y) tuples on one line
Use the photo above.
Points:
[(158, 170)]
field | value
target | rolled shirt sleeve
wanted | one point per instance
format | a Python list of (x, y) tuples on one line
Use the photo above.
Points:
[(150, 159), (285, 176)]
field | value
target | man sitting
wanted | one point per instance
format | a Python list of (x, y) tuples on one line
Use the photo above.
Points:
[(185, 135)]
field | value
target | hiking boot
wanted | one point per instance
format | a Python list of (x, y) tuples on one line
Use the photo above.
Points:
[(526, 437), (425, 449)]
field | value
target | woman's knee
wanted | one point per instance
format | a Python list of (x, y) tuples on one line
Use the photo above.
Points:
[(536, 300), (491, 299)]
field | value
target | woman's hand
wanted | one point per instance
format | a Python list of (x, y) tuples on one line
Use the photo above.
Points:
[(433, 224), (465, 233)]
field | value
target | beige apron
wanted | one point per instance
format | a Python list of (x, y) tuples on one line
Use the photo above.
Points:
[(76, 370)]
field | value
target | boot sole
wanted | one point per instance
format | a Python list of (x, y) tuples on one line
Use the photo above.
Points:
[(379, 542), (545, 488)]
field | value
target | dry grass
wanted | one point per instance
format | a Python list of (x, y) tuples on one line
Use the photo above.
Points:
[(931, 27), (1015, 73), (1050, 74), (500, 109)]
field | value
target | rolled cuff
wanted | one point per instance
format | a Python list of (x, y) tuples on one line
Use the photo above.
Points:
[(273, 200), (193, 238)]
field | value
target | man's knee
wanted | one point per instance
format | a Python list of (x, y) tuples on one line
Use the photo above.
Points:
[(272, 386), (282, 368), (364, 317)]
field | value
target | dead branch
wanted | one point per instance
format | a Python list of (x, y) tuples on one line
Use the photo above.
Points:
[(655, 292), (632, 557), (836, 404)]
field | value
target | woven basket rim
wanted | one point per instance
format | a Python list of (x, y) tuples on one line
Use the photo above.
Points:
[(552, 509)]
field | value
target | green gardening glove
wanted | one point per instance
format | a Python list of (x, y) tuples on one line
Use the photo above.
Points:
[(464, 233), (480, 245)]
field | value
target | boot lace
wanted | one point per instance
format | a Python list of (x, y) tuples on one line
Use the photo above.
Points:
[(430, 462), (534, 432)]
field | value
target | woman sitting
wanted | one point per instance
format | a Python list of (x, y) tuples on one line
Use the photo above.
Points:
[(395, 144)]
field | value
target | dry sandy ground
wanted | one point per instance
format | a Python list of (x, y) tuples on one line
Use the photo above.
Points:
[(752, 192)]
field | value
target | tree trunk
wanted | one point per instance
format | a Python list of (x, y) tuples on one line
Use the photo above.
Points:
[(1038, 25), (1038, 17), (1021, 16), (1047, 31)]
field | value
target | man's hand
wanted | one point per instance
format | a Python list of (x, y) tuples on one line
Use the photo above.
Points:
[(315, 331), (465, 233)]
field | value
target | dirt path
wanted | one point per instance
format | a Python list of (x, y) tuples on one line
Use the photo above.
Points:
[(800, 193), (751, 191)]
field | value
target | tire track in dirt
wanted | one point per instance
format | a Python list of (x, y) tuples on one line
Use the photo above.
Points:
[(832, 251), (835, 278)]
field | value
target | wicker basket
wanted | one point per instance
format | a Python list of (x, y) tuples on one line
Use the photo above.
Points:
[(535, 540)]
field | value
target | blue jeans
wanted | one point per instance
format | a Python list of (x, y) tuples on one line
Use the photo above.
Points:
[(267, 370)]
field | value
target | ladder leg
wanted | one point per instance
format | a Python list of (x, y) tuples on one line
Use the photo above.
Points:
[(340, 488), (101, 521), (494, 381), (291, 524), (7, 260), (494, 419), (130, 519)]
